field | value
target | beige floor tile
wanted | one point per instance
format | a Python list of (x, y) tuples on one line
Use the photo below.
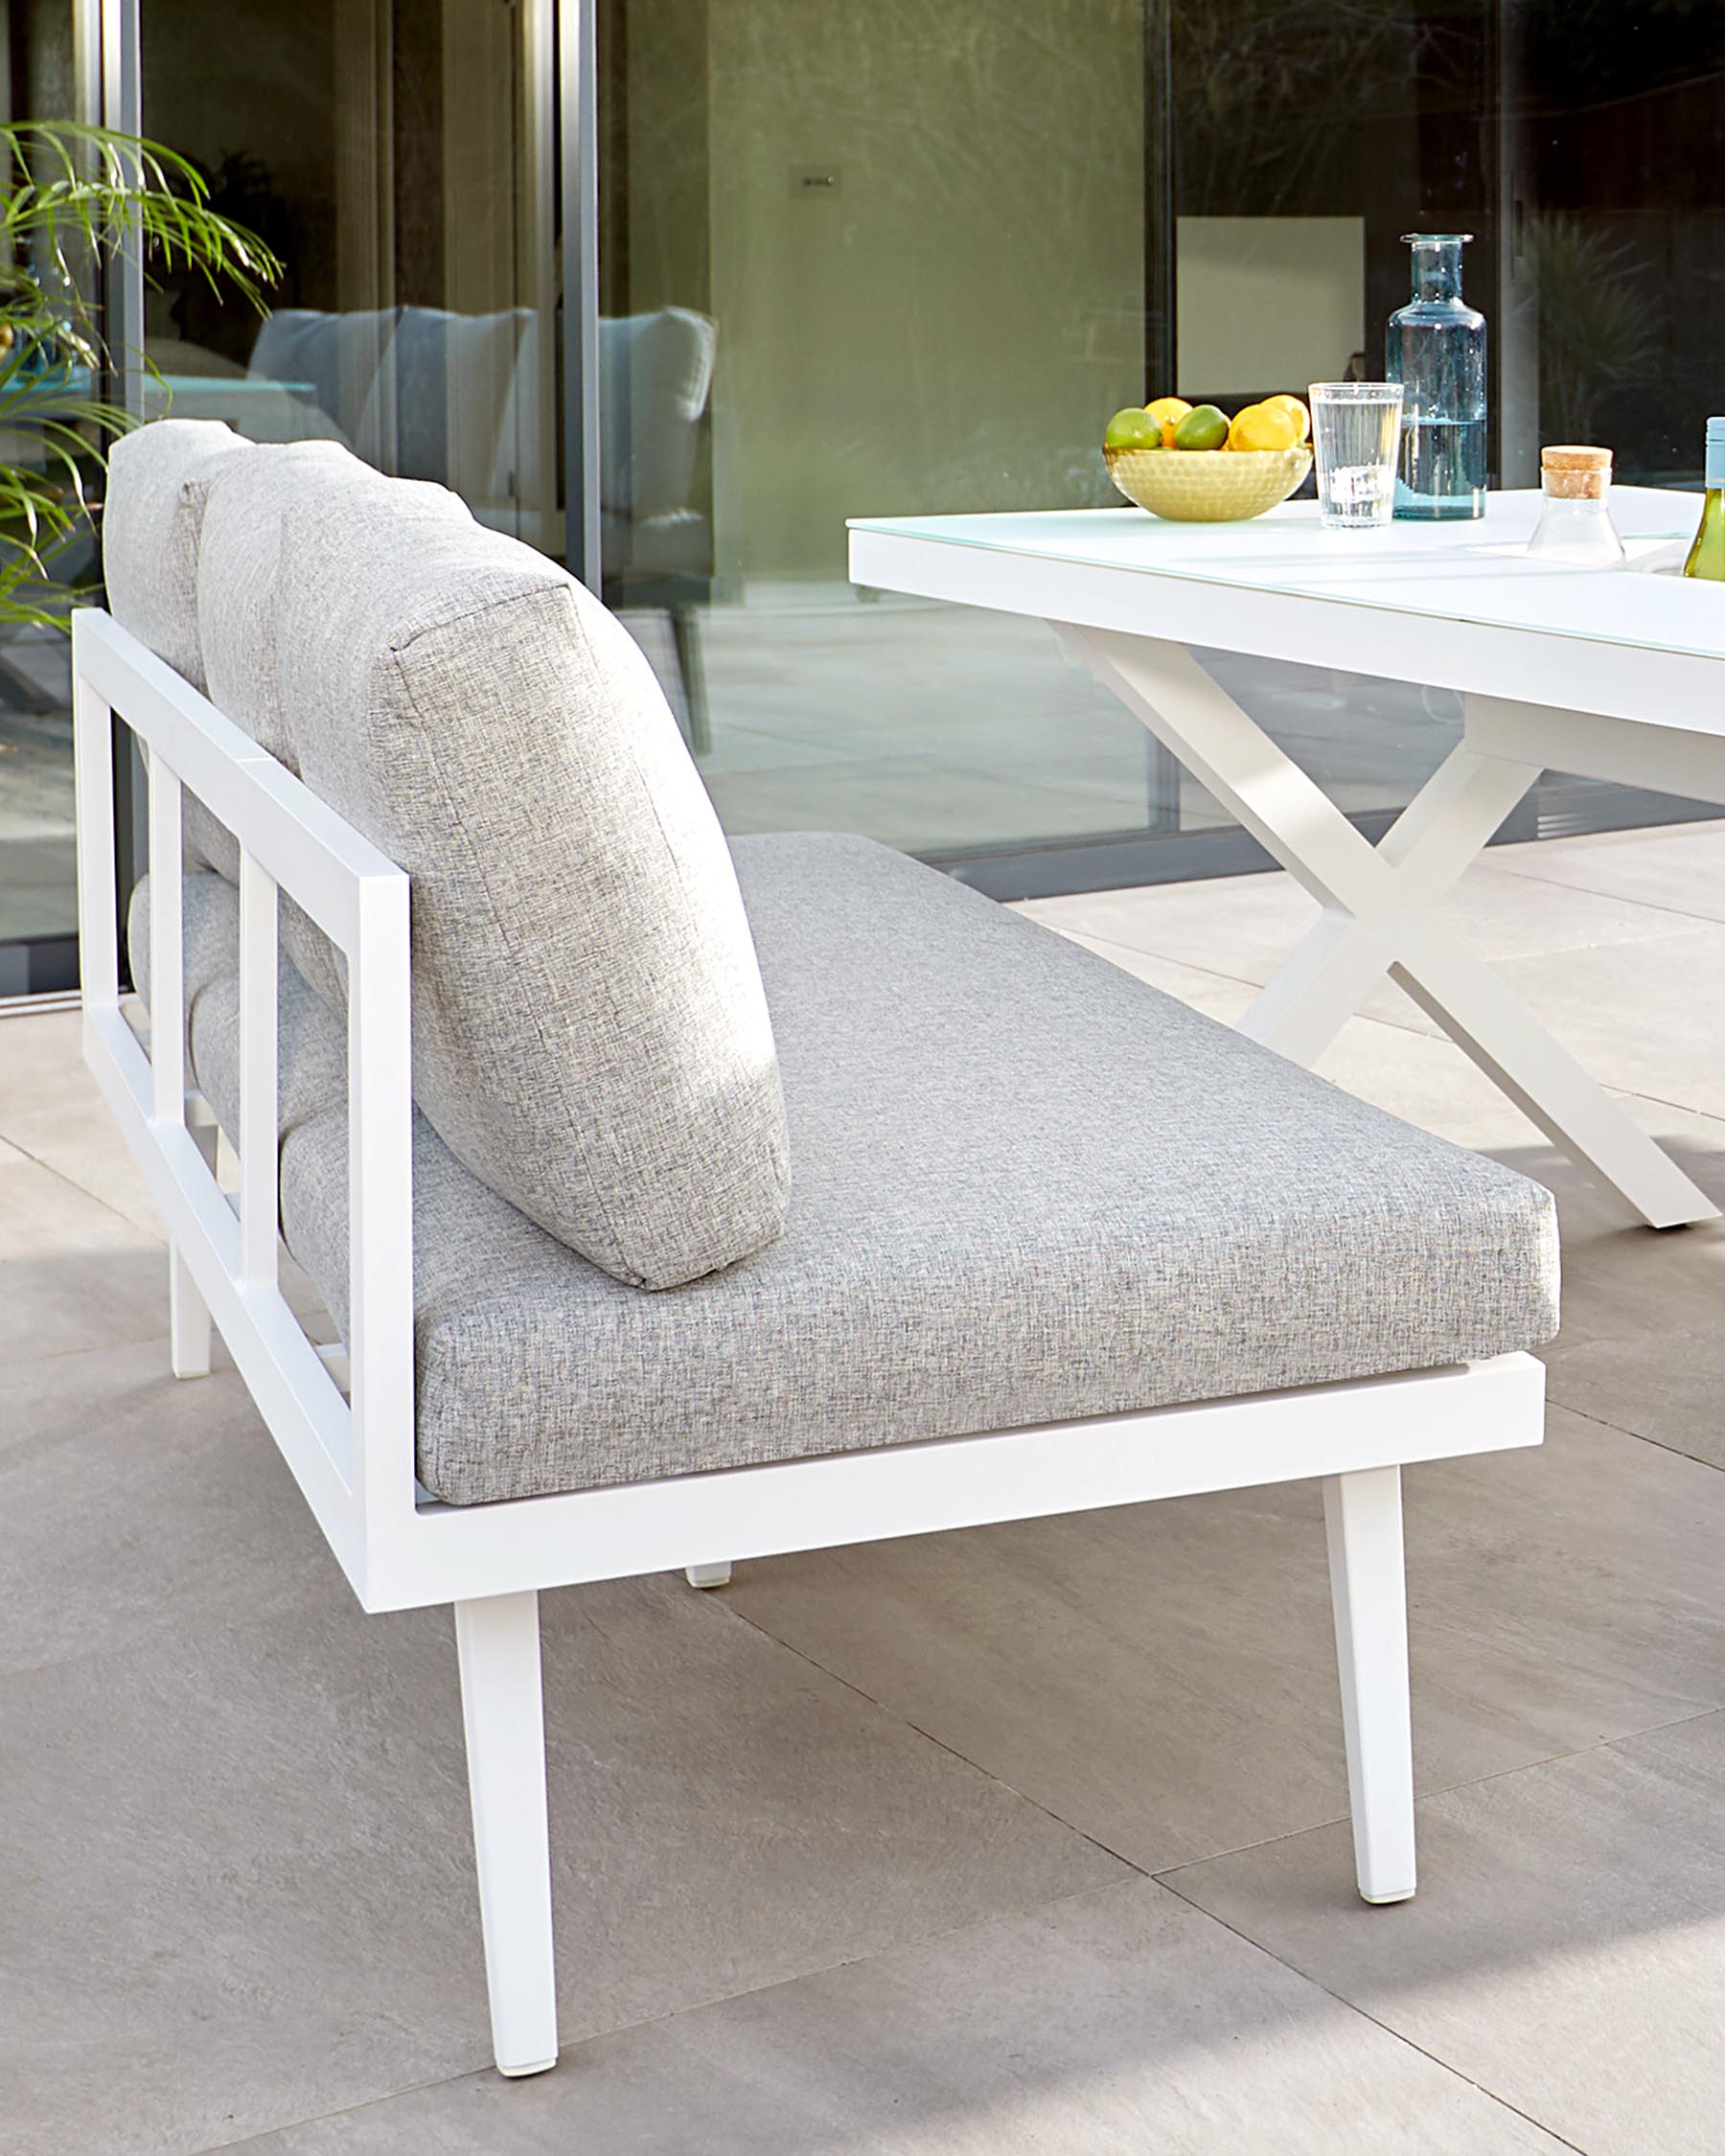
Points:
[(1427, 1081), (51, 1109), (239, 1856), (1623, 1280), (39, 1058), (1566, 1951), (74, 1274), (1667, 1386), (1645, 1018), (139, 1506), (1163, 1676), (1241, 926), (1247, 925), (1681, 867), (1115, 2023)]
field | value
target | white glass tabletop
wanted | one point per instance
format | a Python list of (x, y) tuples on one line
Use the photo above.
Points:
[(1474, 572)]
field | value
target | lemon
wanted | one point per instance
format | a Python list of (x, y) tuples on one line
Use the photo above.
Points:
[(1205, 427), (1132, 428), (1263, 426), (1297, 412), (1168, 412)]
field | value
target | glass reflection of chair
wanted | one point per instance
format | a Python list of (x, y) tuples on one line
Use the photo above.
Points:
[(656, 374), (425, 394)]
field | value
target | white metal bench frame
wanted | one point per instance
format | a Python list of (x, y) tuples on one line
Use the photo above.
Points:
[(354, 1458)]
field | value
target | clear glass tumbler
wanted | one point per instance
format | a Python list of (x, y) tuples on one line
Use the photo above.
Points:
[(1356, 435)]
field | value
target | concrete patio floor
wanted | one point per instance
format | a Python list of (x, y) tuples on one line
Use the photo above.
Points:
[(1022, 1840)]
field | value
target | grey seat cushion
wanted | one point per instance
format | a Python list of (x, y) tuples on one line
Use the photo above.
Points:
[(1028, 1188), (591, 1034)]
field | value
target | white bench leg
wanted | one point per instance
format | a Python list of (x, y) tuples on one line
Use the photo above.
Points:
[(188, 1313), (188, 1321), (502, 1707), (1363, 1517), (708, 1575)]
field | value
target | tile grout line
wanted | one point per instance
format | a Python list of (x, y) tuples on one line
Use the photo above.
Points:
[(568, 2053), (1163, 1880), (1395, 2035), (1617, 1428), (1432, 1032), (1314, 1827), (951, 1751), (70, 1181), (1165, 1876), (1616, 898)]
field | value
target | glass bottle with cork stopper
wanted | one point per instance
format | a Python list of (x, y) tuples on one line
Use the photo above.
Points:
[(1574, 523)]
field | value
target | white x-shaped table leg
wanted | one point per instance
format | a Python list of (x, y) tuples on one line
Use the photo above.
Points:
[(1379, 911)]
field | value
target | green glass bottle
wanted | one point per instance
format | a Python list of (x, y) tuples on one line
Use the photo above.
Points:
[(1706, 557)]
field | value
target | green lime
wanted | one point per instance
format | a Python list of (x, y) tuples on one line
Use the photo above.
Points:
[(1204, 428), (1132, 428)]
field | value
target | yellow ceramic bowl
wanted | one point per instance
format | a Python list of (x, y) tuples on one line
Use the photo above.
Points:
[(1208, 485)]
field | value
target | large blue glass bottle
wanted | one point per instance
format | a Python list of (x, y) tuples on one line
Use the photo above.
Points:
[(1436, 348)]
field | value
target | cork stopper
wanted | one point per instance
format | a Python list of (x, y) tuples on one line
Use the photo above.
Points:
[(1573, 473)]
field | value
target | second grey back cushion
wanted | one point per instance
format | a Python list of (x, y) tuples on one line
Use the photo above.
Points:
[(591, 1034), (240, 569)]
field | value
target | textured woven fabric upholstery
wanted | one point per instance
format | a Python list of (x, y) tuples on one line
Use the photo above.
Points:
[(1028, 1188), (158, 483), (590, 1034), (158, 480), (239, 560), (238, 625)]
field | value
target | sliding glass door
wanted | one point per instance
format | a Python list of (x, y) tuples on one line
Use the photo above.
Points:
[(852, 260), (908, 258), (399, 155), (671, 287)]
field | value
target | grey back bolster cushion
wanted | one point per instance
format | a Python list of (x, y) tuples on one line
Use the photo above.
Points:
[(239, 617), (158, 485), (590, 1033)]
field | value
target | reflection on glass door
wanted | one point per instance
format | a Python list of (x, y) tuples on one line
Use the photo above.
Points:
[(397, 154), (908, 258), (853, 261)]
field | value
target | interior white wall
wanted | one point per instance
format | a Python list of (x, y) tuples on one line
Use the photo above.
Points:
[(949, 325), (1268, 303)]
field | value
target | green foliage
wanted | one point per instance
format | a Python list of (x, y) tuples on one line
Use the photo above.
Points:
[(1593, 330), (70, 195)]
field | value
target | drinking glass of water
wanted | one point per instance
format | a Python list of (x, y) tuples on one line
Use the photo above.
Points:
[(1356, 433)]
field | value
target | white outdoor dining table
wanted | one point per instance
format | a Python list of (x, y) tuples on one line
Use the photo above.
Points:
[(1613, 675)]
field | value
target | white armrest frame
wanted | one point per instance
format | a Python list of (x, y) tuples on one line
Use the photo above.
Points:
[(353, 1459)]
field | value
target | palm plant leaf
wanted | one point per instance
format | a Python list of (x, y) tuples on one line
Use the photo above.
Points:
[(70, 197)]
